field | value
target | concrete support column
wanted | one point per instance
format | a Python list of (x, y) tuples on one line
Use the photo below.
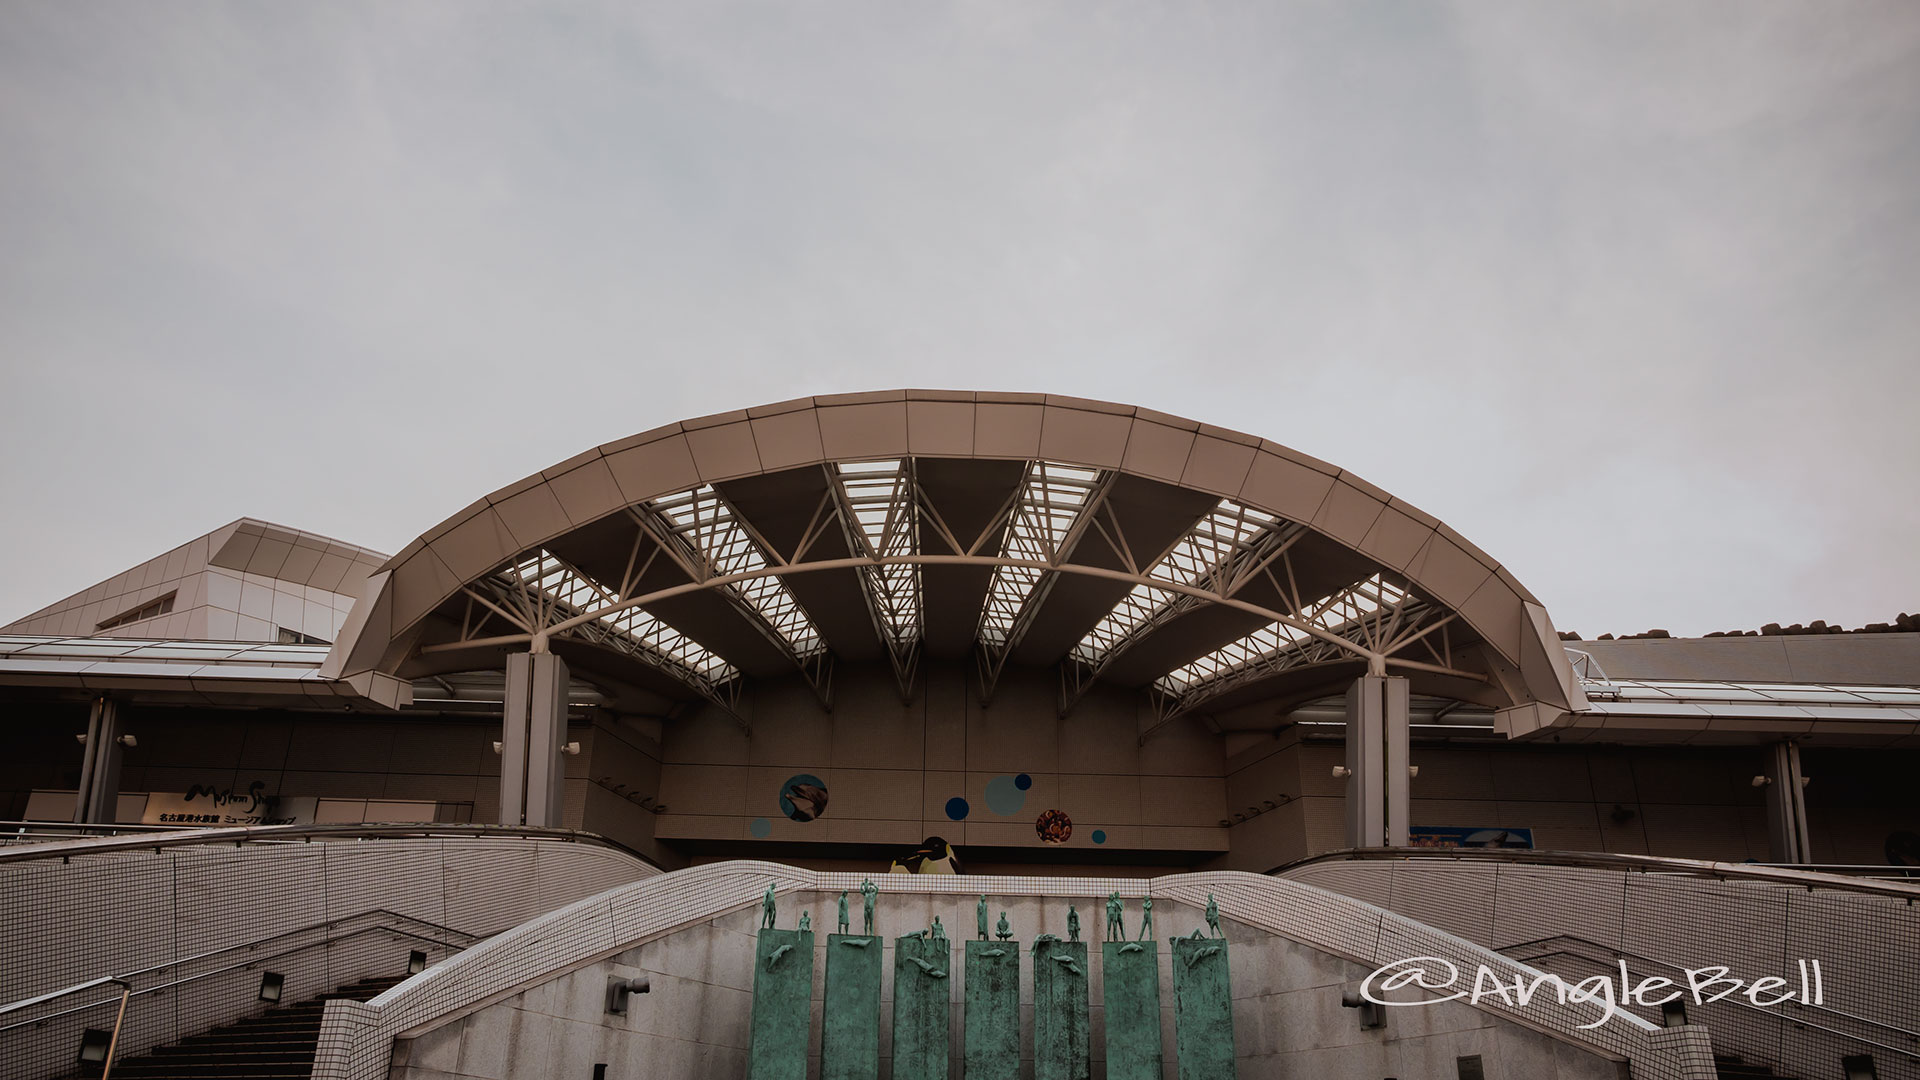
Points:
[(1787, 805), (1378, 711), (533, 727), (98, 801)]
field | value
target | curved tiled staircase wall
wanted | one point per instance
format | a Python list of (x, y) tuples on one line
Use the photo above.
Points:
[(177, 912), (1667, 915), (357, 1039)]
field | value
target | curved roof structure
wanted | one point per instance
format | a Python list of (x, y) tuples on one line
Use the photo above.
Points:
[(1200, 567)]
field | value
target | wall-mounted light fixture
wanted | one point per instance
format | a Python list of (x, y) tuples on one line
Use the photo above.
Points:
[(619, 989), (1859, 1067), (1673, 1013), (1370, 1016), (272, 985), (1341, 772), (416, 962), (1762, 781), (94, 1045), (571, 749)]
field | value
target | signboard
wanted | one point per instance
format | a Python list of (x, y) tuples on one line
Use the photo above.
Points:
[(205, 805), (1472, 836)]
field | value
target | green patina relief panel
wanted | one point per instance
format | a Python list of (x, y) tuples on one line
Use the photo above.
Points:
[(922, 993), (1202, 1008), (850, 1020), (1130, 981), (782, 994), (1060, 1018), (993, 1010)]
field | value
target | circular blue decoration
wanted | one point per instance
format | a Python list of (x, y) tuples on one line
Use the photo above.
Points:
[(957, 808), (803, 797), (1023, 781), (1005, 796), (1099, 836), (760, 828)]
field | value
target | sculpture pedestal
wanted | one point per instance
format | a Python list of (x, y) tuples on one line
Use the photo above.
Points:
[(1130, 981), (993, 1010), (782, 994), (1060, 1024), (850, 1019), (1203, 1009), (922, 1017)]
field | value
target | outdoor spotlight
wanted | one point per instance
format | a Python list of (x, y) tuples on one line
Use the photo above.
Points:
[(129, 741), (496, 746), (1762, 781), (272, 984), (1859, 1067), (618, 989), (1413, 770), (1369, 1011), (94, 1044), (1341, 772), (572, 749), (416, 962), (1673, 1013)]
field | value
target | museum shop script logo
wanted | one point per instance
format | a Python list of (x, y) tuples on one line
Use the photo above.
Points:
[(1606, 993)]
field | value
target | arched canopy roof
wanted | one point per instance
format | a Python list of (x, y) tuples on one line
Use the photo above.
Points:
[(1201, 566)]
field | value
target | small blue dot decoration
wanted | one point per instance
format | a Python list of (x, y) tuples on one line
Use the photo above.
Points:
[(1099, 836), (760, 828), (957, 808), (1023, 781)]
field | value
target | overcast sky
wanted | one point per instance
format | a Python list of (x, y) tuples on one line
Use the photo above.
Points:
[(1628, 294)]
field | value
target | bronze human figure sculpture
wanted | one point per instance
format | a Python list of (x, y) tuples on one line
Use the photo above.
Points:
[(1213, 916), (980, 917), (1004, 931), (939, 933), (1146, 918), (867, 892), (767, 909), (1115, 931), (1073, 924), (806, 922), (843, 911)]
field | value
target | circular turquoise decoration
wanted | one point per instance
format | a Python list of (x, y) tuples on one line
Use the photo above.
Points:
[(957, 808), (1005, 796), (761, 828)]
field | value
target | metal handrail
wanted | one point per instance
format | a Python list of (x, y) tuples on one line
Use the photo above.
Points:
[(1601, 860), (327, 924), (246, 834), (1622, 954)]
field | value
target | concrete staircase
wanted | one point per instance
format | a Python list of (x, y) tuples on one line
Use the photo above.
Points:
[(276, 1044)]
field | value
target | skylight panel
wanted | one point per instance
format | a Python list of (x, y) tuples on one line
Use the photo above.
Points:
[(1199, 556), (1335, 613), (557, 582), (705, 521), (879, 497), (1052, 499)]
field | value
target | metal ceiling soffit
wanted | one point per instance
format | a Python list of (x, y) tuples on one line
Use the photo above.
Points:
[(1373, 619), (543, 591), (700, 532), (877, 503), (1224, 551), (1052, 509), (885, 516)]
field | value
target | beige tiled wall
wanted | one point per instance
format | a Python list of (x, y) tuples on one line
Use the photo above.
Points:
[(890, 768)]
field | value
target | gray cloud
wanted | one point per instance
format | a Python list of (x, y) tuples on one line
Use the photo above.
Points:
[(1622, 292)]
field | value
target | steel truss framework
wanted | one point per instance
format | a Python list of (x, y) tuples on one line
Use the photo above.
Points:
[(885, 517)]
